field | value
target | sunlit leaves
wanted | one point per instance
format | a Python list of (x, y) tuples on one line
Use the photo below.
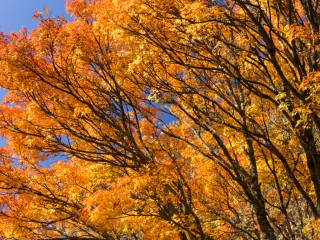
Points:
[(163, 120)]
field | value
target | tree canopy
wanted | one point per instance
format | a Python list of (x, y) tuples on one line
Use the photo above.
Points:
[(163, 119)]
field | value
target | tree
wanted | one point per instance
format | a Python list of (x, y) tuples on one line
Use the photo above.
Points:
[(165, 120)]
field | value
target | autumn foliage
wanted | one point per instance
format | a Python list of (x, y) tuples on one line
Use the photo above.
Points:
[(163, 119)]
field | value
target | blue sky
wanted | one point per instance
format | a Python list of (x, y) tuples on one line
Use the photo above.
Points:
[(15, 14)]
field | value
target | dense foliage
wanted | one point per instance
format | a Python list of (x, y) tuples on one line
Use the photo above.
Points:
[(163, 119)]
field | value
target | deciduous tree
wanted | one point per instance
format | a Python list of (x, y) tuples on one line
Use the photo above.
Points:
[(164, 120)]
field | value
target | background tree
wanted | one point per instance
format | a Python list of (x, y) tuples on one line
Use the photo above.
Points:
[(166, 120)]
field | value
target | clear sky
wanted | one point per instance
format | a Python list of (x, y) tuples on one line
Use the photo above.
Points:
[(15, 14)]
